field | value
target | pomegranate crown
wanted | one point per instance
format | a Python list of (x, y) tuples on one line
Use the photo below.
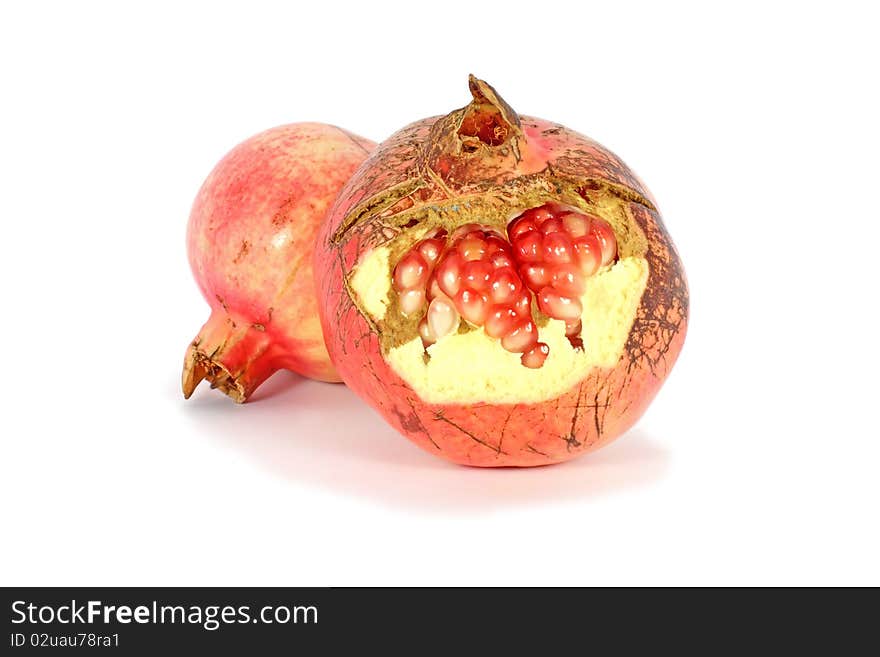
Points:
[(482, 140)]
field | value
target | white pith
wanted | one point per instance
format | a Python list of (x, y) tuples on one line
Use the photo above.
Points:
[(472, 367), (371, 281)]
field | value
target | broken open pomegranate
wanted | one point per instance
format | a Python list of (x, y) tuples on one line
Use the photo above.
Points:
[(502, 289)]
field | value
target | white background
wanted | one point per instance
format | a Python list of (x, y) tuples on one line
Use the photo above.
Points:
[(754, 126)]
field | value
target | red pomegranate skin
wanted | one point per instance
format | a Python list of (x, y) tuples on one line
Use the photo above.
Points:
[(430, 164), (249, 240)]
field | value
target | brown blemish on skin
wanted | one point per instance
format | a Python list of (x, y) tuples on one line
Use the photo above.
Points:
[(242, 251), (282, 215), (412, 423), (291, 276)]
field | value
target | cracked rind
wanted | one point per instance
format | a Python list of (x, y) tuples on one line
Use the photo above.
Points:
[(553, 163)]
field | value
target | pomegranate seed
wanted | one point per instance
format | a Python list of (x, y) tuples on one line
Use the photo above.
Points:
[(472, 248), (430, 250), (500, 321), (496, 244), (491, 232), (434, 289), (411, 301), (473, 306), (411, 272), (523, 305), (576, 225), (535, 357), (540, 214), (572, 327), (558, 306), (535, 276), (501, 259), (520, 226), (551, 226), (465, 230), (476, 275), (557, 248), (568, 279), (442, 317), (587, 252), (425, 332), (505, 285), (529, 247), (605, 236), (522, 338), (449, 273)]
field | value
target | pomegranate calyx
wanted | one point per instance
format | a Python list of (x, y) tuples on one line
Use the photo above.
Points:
[(481, 141), (233, 355), (199, 367), (488, 119)]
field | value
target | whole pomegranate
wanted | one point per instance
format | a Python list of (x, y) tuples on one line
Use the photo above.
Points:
[(250, 238), (501, 288)]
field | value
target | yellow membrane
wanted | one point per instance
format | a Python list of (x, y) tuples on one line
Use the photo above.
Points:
[(472, 367)]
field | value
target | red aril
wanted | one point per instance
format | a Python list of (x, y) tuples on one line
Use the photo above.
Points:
[(442, 318), (535, 357), (474, 273)]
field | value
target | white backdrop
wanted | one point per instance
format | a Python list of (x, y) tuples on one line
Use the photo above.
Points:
[(756, 129)]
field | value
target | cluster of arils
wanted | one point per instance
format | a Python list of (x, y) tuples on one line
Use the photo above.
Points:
[(488, 279)]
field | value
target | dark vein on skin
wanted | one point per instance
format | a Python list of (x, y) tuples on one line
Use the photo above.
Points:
[(571, 440), (536, 451), (443, 418), (504, 428), (577, 409), (421, 424)]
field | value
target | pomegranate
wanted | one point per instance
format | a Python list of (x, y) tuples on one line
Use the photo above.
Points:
[(500, 288), (250, 238)]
